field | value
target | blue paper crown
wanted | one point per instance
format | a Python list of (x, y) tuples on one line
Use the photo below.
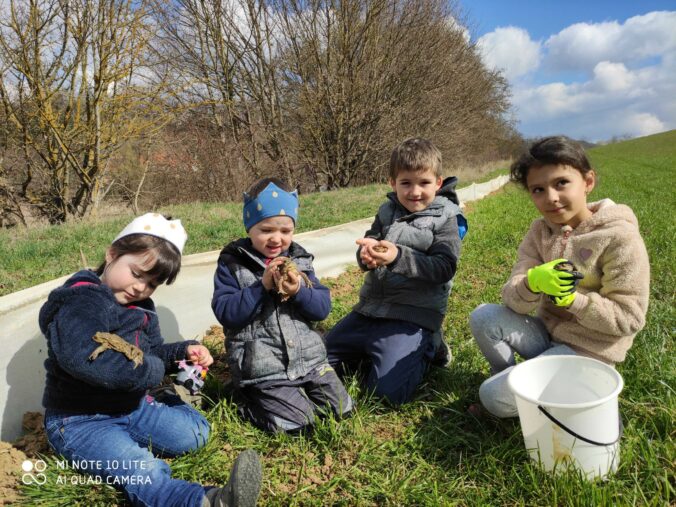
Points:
[(271, 202)]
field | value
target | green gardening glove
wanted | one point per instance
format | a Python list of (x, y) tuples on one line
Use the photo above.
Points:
[(564, 300), (546, 278)]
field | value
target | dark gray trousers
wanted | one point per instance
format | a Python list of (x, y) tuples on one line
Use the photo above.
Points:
[(291, 405)]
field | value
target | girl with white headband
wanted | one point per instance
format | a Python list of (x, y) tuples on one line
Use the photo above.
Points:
[(105, 351)]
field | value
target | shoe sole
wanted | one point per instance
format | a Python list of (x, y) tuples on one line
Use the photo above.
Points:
[(245, 479)]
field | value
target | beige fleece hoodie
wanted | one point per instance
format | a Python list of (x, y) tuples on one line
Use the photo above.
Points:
[(612, 299)]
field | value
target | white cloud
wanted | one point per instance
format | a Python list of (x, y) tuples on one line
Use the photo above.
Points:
[(643, 124), (623, 79), (616, 102), (612, 77), (582, 45), (511, 50)]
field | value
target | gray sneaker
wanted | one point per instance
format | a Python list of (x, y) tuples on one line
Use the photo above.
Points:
[(243, 485), (442, 357)]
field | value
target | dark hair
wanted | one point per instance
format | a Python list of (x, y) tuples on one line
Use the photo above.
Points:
[(415, 154), (260, 185), (555, 150), (167, 262)]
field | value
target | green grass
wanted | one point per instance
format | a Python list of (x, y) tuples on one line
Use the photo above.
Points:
[(35, 255), (431, 452)]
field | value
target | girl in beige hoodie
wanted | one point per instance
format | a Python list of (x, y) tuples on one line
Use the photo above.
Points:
[(598, 317)]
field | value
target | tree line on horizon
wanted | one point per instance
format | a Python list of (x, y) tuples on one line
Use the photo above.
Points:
[(164, 101)]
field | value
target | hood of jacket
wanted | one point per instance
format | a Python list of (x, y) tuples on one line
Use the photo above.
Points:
[(59, 296), (447, 189), (604, 212)]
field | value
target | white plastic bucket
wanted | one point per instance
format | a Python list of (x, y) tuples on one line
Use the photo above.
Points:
[(569, 412)]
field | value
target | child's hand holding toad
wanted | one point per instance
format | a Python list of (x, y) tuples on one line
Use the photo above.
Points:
[(271, 273), (364, 254), (383, 253), (289, 283)]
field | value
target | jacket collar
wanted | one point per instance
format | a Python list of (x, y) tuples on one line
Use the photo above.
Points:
[(244, 250)]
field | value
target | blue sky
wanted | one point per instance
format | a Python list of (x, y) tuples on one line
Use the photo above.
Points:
[(589, 69)]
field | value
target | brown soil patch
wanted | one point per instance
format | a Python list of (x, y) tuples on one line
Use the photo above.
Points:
[(30, 445), (347, 284), (34, 442), (214, 340), (10, 473), (388, 431)]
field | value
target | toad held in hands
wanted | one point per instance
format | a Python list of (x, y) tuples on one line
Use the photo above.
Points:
[(289, 275)]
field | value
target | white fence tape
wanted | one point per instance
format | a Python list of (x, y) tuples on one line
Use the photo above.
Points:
[(184, 309)]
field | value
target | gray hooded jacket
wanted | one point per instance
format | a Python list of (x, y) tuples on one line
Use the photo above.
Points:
[(415, 287)]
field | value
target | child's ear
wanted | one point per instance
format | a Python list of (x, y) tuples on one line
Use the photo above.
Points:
[(110, 255), (439, 182), (589, 181), (393, 184)]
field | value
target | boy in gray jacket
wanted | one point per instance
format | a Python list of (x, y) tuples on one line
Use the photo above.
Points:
[(411, 253)]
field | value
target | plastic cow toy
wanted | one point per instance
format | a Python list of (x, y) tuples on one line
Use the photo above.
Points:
[(191, 376)]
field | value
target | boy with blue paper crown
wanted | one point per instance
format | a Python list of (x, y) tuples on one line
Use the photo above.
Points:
[(410, 254), (277, 360)]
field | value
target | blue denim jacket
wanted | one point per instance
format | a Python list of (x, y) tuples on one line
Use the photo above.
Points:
[(265, 338)]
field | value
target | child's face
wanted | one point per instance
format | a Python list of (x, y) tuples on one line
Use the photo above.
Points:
[(559, 192), (272, 236), (416, 189), (127, 278)]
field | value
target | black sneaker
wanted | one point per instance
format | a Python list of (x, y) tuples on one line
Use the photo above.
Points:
[(243, 485), (442, 357)]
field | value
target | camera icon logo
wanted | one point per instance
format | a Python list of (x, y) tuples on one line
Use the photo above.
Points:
[(29, 467)]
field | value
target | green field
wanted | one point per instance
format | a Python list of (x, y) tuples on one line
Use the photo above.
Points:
[(431, 452), (36, 255)]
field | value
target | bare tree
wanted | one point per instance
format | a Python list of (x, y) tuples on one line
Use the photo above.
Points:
[(323, 88), (224, 55), (363, 74), (74, 87)]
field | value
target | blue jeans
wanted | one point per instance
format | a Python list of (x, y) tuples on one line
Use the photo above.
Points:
[(118, 447), (396, 352), (500, 332)]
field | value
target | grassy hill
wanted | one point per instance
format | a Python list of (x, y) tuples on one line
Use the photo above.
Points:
[(431, 452)]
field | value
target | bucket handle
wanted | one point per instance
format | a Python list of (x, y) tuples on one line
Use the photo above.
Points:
[(572, 433)]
